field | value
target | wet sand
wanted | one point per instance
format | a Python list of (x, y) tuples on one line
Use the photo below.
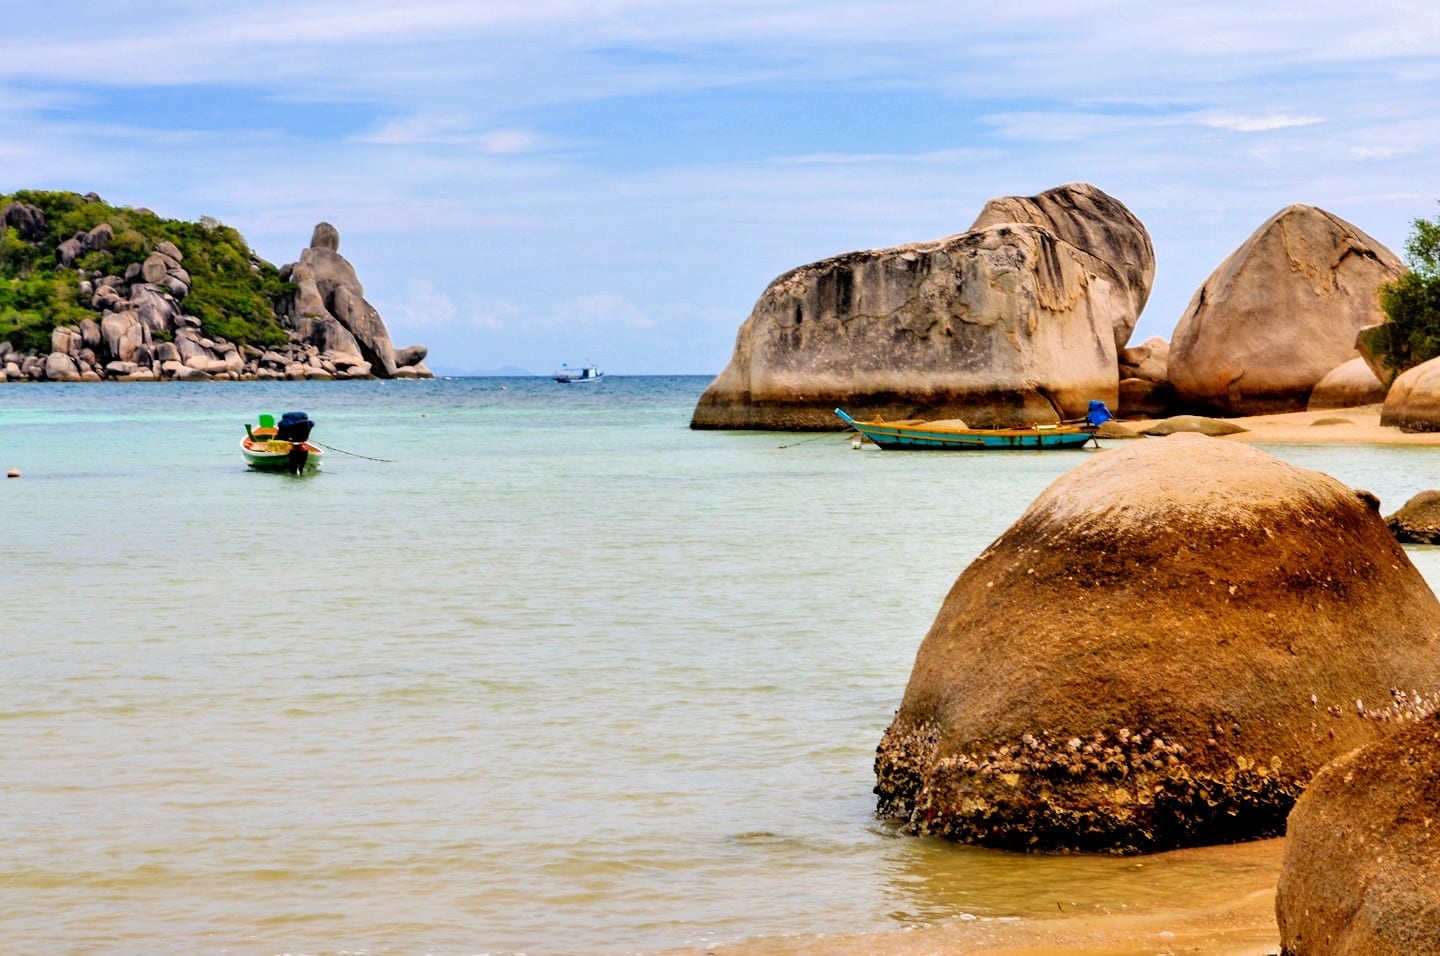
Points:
[(1233, 917)]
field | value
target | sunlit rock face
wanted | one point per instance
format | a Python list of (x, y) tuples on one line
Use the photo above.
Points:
[(1362, 852), (1278, 314), (1019, 319), (1160, 652)]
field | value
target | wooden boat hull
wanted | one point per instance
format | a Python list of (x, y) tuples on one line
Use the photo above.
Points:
[(274, 455), (926, 437)]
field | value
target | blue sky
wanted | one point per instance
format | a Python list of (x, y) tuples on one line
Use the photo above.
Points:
[(548, 181)]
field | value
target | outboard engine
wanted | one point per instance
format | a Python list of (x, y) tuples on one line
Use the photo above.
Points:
[(294, 427)]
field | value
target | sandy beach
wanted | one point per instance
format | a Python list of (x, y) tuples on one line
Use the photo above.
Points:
[(1236, 918), (1332, 425)]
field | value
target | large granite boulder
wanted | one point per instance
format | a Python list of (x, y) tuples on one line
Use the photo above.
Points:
[(1162, 651), (1278, 314), (1362, 849), (121, 333), (1412, 402), (60, 367), (328, 293), (27, 220), (1018, 319)]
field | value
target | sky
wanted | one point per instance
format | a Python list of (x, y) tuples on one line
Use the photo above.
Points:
[(521, 184)]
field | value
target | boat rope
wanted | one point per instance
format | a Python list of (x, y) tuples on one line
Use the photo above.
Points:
[(352, 454), (807, 441)]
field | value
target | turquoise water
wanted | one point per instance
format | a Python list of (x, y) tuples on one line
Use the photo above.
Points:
[(559, 675)]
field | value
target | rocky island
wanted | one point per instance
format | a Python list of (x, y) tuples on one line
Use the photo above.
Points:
[(93, 292)]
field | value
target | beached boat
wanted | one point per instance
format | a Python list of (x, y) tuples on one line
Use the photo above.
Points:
[(956, 436), (586, 373), (286, 447)]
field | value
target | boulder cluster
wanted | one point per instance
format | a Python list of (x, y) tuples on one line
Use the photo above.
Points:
[(1026, 316), (1017, 319), (141, 331)]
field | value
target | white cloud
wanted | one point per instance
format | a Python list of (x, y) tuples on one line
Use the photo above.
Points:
[(423, 306), (431, 129), (1258, 123)]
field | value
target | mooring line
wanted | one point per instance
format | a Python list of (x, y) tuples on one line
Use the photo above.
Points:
[(352, 454), (807, 441)]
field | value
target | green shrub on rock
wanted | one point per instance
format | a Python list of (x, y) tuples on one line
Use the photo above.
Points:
[(1411, 303)]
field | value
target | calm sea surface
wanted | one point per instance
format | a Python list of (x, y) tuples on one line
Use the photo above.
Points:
[(560, 676)]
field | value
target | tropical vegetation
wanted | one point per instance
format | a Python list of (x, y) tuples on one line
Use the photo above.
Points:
[(233, 291), (1411, 333)]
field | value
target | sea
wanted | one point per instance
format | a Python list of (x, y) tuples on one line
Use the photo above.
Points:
[(524, 668)]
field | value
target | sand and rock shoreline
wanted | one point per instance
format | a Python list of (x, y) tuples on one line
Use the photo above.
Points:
[(1233, 916)]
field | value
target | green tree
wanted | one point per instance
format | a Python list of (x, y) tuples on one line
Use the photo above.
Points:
[(1411, 303)]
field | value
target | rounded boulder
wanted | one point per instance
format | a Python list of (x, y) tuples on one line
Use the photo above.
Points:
[(1161, 652), (1279, 313), (1362, 851)]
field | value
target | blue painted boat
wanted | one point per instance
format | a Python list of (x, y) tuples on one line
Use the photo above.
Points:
[(945, 436)]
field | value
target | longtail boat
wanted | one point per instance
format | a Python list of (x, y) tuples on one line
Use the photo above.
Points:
[(286, 447), (957, 436)]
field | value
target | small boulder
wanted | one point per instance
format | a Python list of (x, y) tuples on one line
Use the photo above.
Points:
[(25, 219), (67, 339), (154, 268), (1197, 424), (410, 355), (1348, 385), (60, 367), (98, 239), (1148, 361), (1418, 520), (325, 236), (68, 251), (121, 334)]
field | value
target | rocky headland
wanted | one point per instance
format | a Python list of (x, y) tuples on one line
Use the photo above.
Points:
[(116, 304)]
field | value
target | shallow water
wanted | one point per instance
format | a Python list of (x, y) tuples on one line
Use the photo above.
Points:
[(559, 676)]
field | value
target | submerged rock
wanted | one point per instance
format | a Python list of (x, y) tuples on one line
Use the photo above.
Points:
[(1418, 520), (1162, 651)]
